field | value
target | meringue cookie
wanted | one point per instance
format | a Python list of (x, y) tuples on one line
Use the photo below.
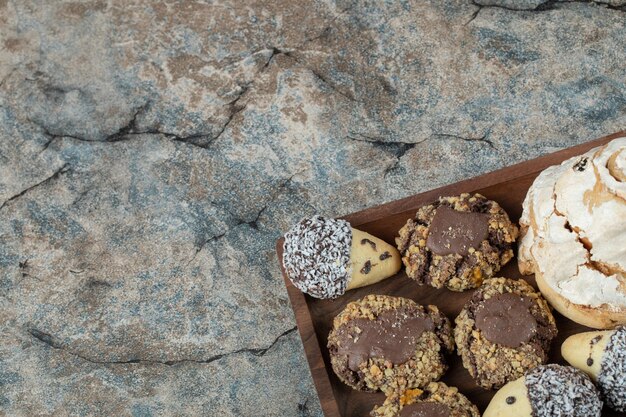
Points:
[(574, 236)]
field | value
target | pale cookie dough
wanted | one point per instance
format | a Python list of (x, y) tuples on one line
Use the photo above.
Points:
[(574, 236)]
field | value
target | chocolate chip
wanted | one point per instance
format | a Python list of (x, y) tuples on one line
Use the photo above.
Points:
[(365, 241), (510, 400), (384, 256), (366, 268), (581, 164), (589, 361)]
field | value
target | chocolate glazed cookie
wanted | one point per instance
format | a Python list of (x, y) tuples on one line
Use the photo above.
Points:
[(389, 343), (435, 400), (457, 242), (504, 330)]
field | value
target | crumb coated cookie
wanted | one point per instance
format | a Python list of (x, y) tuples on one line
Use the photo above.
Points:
[(389, 343), (457, 242), (504, 330), (435, 400)]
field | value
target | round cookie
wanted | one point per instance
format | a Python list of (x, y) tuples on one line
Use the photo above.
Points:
[(574, 236), (504, 330), (435, 400), (602, 355), (389, 343), (547, 391), (457, 242)]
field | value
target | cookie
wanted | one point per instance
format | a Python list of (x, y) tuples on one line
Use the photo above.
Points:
[(457, 242), (602, 355), (574, 236), (326, 257), (504, 330), (435, 400), (389, 343), (547, 391)]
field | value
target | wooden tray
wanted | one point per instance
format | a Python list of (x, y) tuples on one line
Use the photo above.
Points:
[(507, 186)]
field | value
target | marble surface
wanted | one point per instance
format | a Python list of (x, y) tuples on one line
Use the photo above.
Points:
[(151, 152)]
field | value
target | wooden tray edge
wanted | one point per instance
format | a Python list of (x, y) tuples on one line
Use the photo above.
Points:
[(310, 343)]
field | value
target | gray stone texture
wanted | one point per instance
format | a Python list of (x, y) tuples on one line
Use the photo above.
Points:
[(151, 153)]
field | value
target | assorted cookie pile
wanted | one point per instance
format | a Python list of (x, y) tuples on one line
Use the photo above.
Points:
[(573, 238)]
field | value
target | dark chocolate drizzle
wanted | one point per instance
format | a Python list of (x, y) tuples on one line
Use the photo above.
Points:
[(384, 255)]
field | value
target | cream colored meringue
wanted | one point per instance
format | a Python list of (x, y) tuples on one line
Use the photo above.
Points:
[(574, 228)]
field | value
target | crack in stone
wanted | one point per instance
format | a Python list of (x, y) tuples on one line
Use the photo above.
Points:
[(234, 110), (378, 140), (328, 28), (346, 94), (50, 341), (254, 222), (56, 174), (127, 129), (545, 6), (397, 148), (206, 242)]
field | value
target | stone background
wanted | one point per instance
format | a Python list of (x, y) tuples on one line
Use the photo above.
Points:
[(151, 152)]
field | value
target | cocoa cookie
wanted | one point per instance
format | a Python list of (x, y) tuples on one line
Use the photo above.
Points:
[(457, 242), (435, 400), (547, 391), (504, 330), (389, 343)]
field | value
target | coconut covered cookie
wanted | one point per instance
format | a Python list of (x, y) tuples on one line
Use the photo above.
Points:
[(574, 236), (547, 391), (389, 343), (435, 400), (504, 330), (326, 257), (457, 242), (602, 355)]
